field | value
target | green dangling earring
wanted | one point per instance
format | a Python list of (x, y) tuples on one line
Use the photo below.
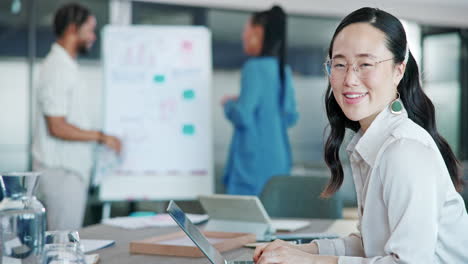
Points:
[(396, 106)]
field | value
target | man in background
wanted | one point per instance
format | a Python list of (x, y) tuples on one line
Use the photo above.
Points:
[(63, 139)]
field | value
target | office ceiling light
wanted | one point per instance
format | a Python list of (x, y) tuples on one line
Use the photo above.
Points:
[(16, 6)]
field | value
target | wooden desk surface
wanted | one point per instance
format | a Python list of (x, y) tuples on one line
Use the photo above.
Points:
[(119, 253)]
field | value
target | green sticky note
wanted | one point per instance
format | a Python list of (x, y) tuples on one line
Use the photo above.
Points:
[(159, 78), (189, 94), (142, 213), (188, 129)]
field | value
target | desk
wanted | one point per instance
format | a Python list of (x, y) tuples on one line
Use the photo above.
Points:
[(119, 253)]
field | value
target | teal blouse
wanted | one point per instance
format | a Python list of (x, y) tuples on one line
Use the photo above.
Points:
[(260, 146)]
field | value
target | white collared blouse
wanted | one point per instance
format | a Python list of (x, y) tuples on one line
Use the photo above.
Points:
[(409, 210)]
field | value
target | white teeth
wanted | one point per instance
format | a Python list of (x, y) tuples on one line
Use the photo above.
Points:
[(352, 96)]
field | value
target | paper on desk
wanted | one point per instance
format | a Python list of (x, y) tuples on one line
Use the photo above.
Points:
[(159, 220), (343, 227), (320, 235), (91, 245), (256, 244), (289, 225), (92, 259)]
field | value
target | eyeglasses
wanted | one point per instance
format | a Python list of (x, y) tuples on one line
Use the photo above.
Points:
[(363, 67)]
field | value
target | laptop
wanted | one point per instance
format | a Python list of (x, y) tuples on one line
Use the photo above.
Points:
[(197, 237)]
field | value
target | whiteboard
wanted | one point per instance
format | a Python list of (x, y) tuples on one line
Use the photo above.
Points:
[(157, 100)]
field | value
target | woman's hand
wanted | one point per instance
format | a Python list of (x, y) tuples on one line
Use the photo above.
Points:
[(285, 253), (227, 98), (270, 246)]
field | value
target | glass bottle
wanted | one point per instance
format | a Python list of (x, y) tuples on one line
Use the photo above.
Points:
[(22, 219)]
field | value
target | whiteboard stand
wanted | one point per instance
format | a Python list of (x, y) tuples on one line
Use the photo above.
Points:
[(106, 210)]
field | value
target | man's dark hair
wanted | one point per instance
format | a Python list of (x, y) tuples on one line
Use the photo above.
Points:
[(69, 14)]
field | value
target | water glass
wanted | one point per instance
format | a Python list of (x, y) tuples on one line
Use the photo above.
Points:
[(65, 253), (63, 237)]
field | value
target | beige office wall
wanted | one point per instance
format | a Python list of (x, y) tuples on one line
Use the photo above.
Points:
[(431, 12)]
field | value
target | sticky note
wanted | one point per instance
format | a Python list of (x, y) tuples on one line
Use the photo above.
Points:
[(188, 129), (159, 78), (189, 94)]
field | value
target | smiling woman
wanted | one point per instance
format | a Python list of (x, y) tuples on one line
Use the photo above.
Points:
[(405, 173), (373, 38)]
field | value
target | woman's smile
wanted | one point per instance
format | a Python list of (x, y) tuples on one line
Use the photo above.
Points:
[(354, 97)]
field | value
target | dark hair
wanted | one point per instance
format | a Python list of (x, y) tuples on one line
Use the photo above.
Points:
[(419, 107), (68, 14), (274, 25)]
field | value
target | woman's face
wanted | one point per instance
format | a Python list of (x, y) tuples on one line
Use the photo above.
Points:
[(252, 38), (366, 88)]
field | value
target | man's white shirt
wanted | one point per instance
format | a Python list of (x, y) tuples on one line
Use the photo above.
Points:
[(61, 92)]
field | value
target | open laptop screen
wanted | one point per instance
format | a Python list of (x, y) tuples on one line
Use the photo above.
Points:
[(194, 234)]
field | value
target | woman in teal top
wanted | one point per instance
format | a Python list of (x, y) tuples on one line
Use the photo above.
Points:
[(264, 110)]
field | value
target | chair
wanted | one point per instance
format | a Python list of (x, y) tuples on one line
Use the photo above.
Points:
[(299, 197)]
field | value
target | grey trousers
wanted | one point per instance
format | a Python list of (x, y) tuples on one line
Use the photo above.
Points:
[(64, 194)]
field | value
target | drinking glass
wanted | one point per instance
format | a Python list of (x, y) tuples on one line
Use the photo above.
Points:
[(64, 253), (63, 237)]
